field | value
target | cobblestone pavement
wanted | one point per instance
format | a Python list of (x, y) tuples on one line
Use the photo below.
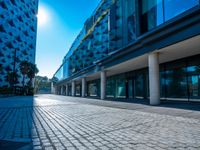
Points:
[(57, 122)]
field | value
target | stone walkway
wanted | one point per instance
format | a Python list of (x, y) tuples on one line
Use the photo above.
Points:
[(57, 122)]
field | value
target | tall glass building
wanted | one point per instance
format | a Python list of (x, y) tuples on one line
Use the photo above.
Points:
[(135, 49)]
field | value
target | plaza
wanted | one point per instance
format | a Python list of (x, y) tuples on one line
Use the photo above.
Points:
[(60, 122)]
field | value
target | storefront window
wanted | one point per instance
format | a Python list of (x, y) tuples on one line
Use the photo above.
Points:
[(110, 87), (78, 90), (69, 90), (194, 81), (139, 86), (94, 88), (176, 7), (120, 87), (181, 79), (176, 83)]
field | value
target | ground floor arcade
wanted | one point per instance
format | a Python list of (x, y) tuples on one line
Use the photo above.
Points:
[(171, 73)]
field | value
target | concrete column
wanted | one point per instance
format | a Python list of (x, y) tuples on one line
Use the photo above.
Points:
[(52, 88), (73, 88), (103, 84), (154, 79), (66, 89), (61, 90), (83, 87), (56, 90)]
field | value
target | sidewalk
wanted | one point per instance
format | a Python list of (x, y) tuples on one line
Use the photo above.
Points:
[(58, 123)]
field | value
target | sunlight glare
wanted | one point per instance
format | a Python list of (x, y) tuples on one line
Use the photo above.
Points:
[(43, 16)]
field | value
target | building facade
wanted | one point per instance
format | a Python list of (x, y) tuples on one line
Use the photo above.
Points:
[(135, 49), (18, 29)]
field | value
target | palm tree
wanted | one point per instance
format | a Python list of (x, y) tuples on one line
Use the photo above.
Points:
[(33, 70), (12, 78), (24, 69)]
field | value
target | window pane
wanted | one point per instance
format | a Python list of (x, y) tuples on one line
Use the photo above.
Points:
[(121, 87), (78, 90), (131, 21), (176, 7), (176, 83), (139, 82), (110, 87), (194, 81), (92, 89), (151, 14), (162, 83)]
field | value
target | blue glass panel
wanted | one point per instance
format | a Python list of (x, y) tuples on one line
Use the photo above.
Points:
[(176, 7), (151, 14)]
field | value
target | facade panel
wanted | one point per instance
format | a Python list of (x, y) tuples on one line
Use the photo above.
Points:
[(18, 27)]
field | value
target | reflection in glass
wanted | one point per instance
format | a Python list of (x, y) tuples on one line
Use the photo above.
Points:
[(130, 89), (194, 81), (176, 7), (176, 83), (110, 87), (139, 86), (151, 14), (121, 87), (93, 88), (78, 90), (131, 21)]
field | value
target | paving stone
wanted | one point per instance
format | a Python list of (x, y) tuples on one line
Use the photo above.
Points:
[(57, 122)]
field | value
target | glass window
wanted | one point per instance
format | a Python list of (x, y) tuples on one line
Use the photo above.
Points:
[(120, 87), (93, 88), (162, 83), (78, 90), (131, 21), (69, 90), (194, 81), (176, 7), (176, 83), (139, 86), (151, 14), (130, 89), (110, 87)]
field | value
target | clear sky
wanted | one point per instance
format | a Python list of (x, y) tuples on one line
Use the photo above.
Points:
[(59, 22)]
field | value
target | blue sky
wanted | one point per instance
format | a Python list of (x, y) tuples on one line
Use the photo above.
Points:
[(59, 22)]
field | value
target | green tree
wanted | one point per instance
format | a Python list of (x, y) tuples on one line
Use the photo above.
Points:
[(24, 69), (32, 71), (12, 78)]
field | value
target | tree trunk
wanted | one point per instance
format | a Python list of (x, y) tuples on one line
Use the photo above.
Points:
[(23, 82)]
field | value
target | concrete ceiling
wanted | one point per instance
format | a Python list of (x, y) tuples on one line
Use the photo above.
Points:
[(179, 50)]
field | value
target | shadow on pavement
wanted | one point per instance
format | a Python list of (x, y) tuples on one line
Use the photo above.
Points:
[(9, 145), (195, 106), (16, 117)]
